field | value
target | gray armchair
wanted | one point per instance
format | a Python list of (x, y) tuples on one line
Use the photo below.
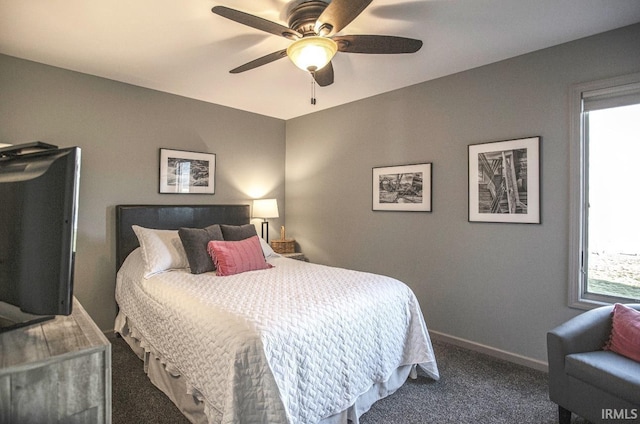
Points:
[(595, 384)]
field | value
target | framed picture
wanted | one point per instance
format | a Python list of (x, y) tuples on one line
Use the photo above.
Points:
[(504, 181), (402, 188), (187, 172)]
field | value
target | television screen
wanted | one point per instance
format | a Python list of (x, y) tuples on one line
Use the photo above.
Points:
[(38, 219)]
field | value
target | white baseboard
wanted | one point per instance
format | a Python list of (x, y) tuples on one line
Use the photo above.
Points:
[(491, 351)]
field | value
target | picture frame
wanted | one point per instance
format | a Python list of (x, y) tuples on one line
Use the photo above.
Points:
[(404, 188), (506, 194), (186, 172)]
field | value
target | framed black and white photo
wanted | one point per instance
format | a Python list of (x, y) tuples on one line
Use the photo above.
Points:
[(187, 172), (504, 181), (402, 188)]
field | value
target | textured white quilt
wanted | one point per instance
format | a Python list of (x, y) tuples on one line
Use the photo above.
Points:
[(295, 343)]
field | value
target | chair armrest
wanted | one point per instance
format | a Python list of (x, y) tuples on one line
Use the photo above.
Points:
[(586, 332)]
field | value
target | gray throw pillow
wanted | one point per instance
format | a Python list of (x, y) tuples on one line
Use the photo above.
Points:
[(195, 242), (238, 232)]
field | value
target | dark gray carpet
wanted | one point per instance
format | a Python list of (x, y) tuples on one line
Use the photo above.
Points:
[(473, 388)]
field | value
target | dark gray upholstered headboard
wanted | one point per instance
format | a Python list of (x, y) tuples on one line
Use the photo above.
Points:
[(170, 217)]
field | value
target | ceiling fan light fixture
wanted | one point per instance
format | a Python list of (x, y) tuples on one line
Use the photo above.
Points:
[(312, 53)]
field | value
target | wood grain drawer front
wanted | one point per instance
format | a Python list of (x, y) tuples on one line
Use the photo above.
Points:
[(70, 391), (56, 372)]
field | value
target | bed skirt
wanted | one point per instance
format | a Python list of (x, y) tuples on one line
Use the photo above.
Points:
[(190, 403)]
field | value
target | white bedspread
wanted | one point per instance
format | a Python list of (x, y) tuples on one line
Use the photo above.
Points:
[(295, 343)]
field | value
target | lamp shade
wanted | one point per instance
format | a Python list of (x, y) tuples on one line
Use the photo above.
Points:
[(265, 208), (312, 53)]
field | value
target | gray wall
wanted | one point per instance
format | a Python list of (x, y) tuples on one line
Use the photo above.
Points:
[(497, 285), (120, 129)]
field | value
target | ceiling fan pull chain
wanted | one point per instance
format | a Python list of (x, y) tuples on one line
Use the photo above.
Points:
[(313, 89)]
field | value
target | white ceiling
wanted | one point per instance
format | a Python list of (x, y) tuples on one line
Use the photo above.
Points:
[(180, 47)]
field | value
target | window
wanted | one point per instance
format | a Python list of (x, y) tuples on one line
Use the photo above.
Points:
[(605, 193)]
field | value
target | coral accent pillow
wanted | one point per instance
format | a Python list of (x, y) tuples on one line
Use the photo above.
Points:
[(625, 332), (234, 257)]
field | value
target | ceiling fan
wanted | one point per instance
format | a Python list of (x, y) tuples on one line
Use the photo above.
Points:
[(313, 26)]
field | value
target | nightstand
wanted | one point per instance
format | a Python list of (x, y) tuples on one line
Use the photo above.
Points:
[(298, 256)]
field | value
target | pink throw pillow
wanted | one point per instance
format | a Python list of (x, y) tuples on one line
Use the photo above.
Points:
[(625, 332), (234, 257)]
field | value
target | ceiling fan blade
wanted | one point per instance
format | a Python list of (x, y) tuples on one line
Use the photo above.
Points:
[(256, 22), (260, 61), (324, 76), (377, 44), (339, 14)]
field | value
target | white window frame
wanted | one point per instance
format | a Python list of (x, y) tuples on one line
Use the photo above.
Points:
[(608, 92)]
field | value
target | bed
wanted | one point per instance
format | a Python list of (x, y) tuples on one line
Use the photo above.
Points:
[(287, 342)]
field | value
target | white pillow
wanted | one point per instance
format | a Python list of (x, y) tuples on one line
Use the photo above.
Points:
[(267, 251), (162, 250)]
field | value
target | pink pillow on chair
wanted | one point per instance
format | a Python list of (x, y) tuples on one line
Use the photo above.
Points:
[(625, 332), (234, 257)]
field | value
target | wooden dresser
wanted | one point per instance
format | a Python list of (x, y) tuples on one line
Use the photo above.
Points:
[(58, 371)]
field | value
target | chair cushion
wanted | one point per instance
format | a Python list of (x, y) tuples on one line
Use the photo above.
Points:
[(625, 332), (608, 371)]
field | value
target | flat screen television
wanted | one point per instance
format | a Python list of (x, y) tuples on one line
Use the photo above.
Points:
[(38, 221)]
